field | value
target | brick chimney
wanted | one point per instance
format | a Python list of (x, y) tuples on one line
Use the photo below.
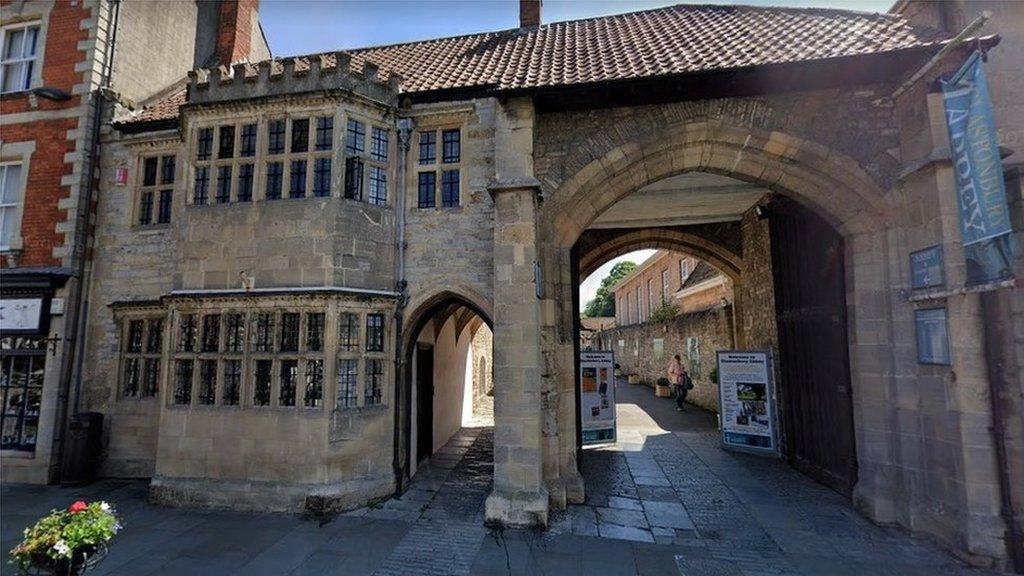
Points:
[(234, 30), (529, 13)]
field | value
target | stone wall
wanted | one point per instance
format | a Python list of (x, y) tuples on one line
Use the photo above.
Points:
[(636, 352)]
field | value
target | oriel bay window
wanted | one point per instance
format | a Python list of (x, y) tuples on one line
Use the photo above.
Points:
[(260, 358), (444, 172)]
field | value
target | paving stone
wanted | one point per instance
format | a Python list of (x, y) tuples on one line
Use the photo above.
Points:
[(624, 532), (668, 514), (621, 517), (624, 503)]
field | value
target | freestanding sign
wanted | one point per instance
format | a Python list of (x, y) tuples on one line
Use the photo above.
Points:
[(597, 396), (746, 392)]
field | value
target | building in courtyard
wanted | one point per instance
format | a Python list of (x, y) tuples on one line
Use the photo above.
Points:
[(307, 271)]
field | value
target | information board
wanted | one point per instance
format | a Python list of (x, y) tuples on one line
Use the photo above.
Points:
[(747, 401), (926, 268), (932, 327), (597, 396)]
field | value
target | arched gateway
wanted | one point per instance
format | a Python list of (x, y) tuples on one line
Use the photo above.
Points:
[(301, 229)]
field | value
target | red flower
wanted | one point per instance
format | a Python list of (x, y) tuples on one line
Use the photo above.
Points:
[(78, 507)]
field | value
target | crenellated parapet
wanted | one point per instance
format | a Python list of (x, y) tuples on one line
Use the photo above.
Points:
[(331, 71)]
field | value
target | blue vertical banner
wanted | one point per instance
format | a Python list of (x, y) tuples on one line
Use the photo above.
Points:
[(977, 166)]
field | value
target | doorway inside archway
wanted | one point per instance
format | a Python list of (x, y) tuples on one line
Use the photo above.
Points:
[(451, 380), (785, 267)]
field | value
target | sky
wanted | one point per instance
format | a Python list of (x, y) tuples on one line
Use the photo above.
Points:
[(589, 286), (296, 27)]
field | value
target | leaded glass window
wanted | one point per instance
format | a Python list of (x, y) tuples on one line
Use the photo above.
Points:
[(275, 137), (204, 144), (226, 142), (201, 191), (187, 333), (297, 186), (355, 137), (378, 186), (286, 384), (379, 144), (300, 135), (314, 392), (374, 381), (211, 332), (348, 383), (322, 177), (234, 332), (427, 189), (275, 176), (428, 148), (262, 375), (324, 133), (449, 188), (315, 332), (290, 332), (247, 143), (374, 332), (245, 174), (207, 382), (183, 382), (349, 331), (451, 146), (223, 184), (232, 382), (263, 333)]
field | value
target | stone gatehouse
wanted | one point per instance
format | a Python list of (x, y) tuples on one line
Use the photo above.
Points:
[(289, 227)]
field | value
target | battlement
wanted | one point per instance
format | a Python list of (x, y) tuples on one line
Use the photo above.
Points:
[(316, 73)]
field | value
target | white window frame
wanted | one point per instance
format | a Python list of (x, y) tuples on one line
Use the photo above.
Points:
[(664, 286), (18, 207), (37, 58)]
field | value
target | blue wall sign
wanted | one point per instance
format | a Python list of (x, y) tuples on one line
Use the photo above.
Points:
[(932, 326), (926, 269)]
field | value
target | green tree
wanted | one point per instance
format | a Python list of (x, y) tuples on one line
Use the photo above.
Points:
[(603, 303)]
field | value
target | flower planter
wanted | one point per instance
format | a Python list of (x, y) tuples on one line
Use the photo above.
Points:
[(633, 378), (82, 560), (662, 391)]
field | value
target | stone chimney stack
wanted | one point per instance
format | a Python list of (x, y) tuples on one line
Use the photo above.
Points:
[(529, 13), (235, 29)]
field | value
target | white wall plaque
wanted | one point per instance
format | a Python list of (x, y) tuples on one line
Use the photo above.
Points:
[(20, 314)]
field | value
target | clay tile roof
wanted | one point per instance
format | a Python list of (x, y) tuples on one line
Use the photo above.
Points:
[(674, 40)]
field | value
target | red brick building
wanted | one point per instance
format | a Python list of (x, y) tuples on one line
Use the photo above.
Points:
[(63, 65)]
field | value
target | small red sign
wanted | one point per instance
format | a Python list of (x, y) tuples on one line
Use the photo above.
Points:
[(121, 177)]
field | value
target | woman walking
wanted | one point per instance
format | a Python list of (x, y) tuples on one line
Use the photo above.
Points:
[(680, 380)]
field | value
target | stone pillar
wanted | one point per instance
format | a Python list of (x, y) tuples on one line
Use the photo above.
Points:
[(519, 497)]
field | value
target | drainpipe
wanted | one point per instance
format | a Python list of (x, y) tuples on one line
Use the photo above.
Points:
[(403, 395), (996, 316), (74, 356)]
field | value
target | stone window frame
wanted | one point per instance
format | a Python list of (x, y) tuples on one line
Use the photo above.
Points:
[(248, 356), (262, 159), (157, 189), (123, 321), (438, 167), (40, 22)]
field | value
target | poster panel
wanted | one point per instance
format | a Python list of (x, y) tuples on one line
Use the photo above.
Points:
[(597, 396), (746, 401)]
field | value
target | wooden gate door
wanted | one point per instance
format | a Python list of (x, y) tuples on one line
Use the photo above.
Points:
[(814, 365), (424, 401)]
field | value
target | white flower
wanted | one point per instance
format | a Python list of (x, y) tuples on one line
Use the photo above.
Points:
[(62, 548), (117, 527), (104, 506)]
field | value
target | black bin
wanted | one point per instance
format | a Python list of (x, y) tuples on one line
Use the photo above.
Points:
[(82, 448)]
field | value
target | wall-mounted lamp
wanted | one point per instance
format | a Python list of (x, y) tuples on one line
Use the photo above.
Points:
[(51, 93)]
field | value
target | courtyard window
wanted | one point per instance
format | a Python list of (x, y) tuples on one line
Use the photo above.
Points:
[(300, 135), (314, 392), (290, 332), (446, 174), (141, 349), (204, 144), (349, 331), (427, 189), (245, 173), (275, 137), (378, 186), (201, 193), (262, 375), (348, 383), (286, 385), (322, 177), (355, 137), (263, 332), (21, 48), (354, 178), (684, 270), (211, 333), (428, 148), (315, 332), (234, 332), (207, 382), (297, 187), (664, 286), (450, 188), (223, 184), (324, 133), (232, 382), (379, 144), (226, 142), (154, 190), (374, 332), (275, 175), (374, 381), (247, 141), (183, 382), (187, 333), (451, 143)]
